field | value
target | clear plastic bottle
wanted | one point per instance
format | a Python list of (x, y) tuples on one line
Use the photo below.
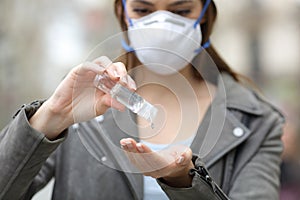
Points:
[(130, 99)]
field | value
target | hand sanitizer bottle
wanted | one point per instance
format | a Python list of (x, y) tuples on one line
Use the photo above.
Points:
[(130, 99)]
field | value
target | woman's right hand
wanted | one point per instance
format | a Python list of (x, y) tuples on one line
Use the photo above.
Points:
[(76, 99)]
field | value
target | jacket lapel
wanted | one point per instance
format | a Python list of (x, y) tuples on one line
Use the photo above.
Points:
[(220, 130), (118, 125), (218, 136)]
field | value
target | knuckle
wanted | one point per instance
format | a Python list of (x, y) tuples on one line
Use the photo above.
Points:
[(120, 66)]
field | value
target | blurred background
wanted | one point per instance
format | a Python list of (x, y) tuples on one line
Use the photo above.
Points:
[(41, 40)]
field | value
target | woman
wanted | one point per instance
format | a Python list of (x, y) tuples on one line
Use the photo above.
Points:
[(241, 160)]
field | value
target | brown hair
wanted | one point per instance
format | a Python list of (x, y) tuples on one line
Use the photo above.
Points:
[(206, 28)]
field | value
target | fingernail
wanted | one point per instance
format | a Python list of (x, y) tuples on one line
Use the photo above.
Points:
[(180, 160), (128, 143), (139, 147), (131, 83), (116, 74)]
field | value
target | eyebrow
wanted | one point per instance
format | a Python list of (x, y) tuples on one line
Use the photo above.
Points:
[(144, 2), (180, 2), (176, 3)]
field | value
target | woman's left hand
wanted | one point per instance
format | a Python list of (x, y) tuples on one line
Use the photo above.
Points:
[(172, 164)]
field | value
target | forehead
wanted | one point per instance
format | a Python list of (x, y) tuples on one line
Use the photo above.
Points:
[(162, 2)]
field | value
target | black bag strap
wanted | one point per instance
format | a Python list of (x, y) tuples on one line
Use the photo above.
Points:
[(204, 174)]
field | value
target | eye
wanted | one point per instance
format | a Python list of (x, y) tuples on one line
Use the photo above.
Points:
[(142, 11), (181, 12)]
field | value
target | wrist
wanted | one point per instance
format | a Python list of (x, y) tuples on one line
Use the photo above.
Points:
[(182, 179), (50, 121)]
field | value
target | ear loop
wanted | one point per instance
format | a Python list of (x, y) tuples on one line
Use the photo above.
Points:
[(126, 46), (125, 10), (123, 42), (207, 43)]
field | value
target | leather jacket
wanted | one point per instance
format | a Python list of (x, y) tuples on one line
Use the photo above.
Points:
[(238, 141)]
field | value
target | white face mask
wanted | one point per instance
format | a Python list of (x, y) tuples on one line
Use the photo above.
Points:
[(165, 42)]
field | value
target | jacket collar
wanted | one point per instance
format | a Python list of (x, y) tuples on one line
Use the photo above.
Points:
[(237, 96), (221, 130)]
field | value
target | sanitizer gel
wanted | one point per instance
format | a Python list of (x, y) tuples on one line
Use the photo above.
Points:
[(130, 99)]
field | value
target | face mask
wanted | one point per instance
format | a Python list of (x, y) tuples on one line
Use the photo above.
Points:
[(164, 42)]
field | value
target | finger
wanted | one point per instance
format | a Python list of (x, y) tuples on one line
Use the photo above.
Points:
[(117, 105), (146, 162), (89, 66), (108, 101), (171, 153), (103, 61), (101, 106), (185, 157), (142, 160), (129, 82), (142, 148), (134, 156), (113, 70), (116, 70), (114, 103), (84, 74), (130, 144)]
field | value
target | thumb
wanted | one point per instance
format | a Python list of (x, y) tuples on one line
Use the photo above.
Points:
[(185, 157)]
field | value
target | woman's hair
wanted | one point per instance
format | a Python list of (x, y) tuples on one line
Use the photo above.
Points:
[(206, 28)]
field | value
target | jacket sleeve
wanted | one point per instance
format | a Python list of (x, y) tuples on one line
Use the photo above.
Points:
[(23, 152), (258, 179), (203, 187), (45, 174)]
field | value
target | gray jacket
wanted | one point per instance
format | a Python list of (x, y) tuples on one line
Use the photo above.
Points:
[(238, 140)]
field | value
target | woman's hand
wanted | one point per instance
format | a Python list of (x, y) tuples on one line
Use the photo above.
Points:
[(76, 99), (172, 165)]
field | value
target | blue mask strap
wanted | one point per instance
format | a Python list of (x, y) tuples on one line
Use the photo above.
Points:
[(126, 46), (207, 43), (205, 46), (126, 14), (123, 42), (202, 12)]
